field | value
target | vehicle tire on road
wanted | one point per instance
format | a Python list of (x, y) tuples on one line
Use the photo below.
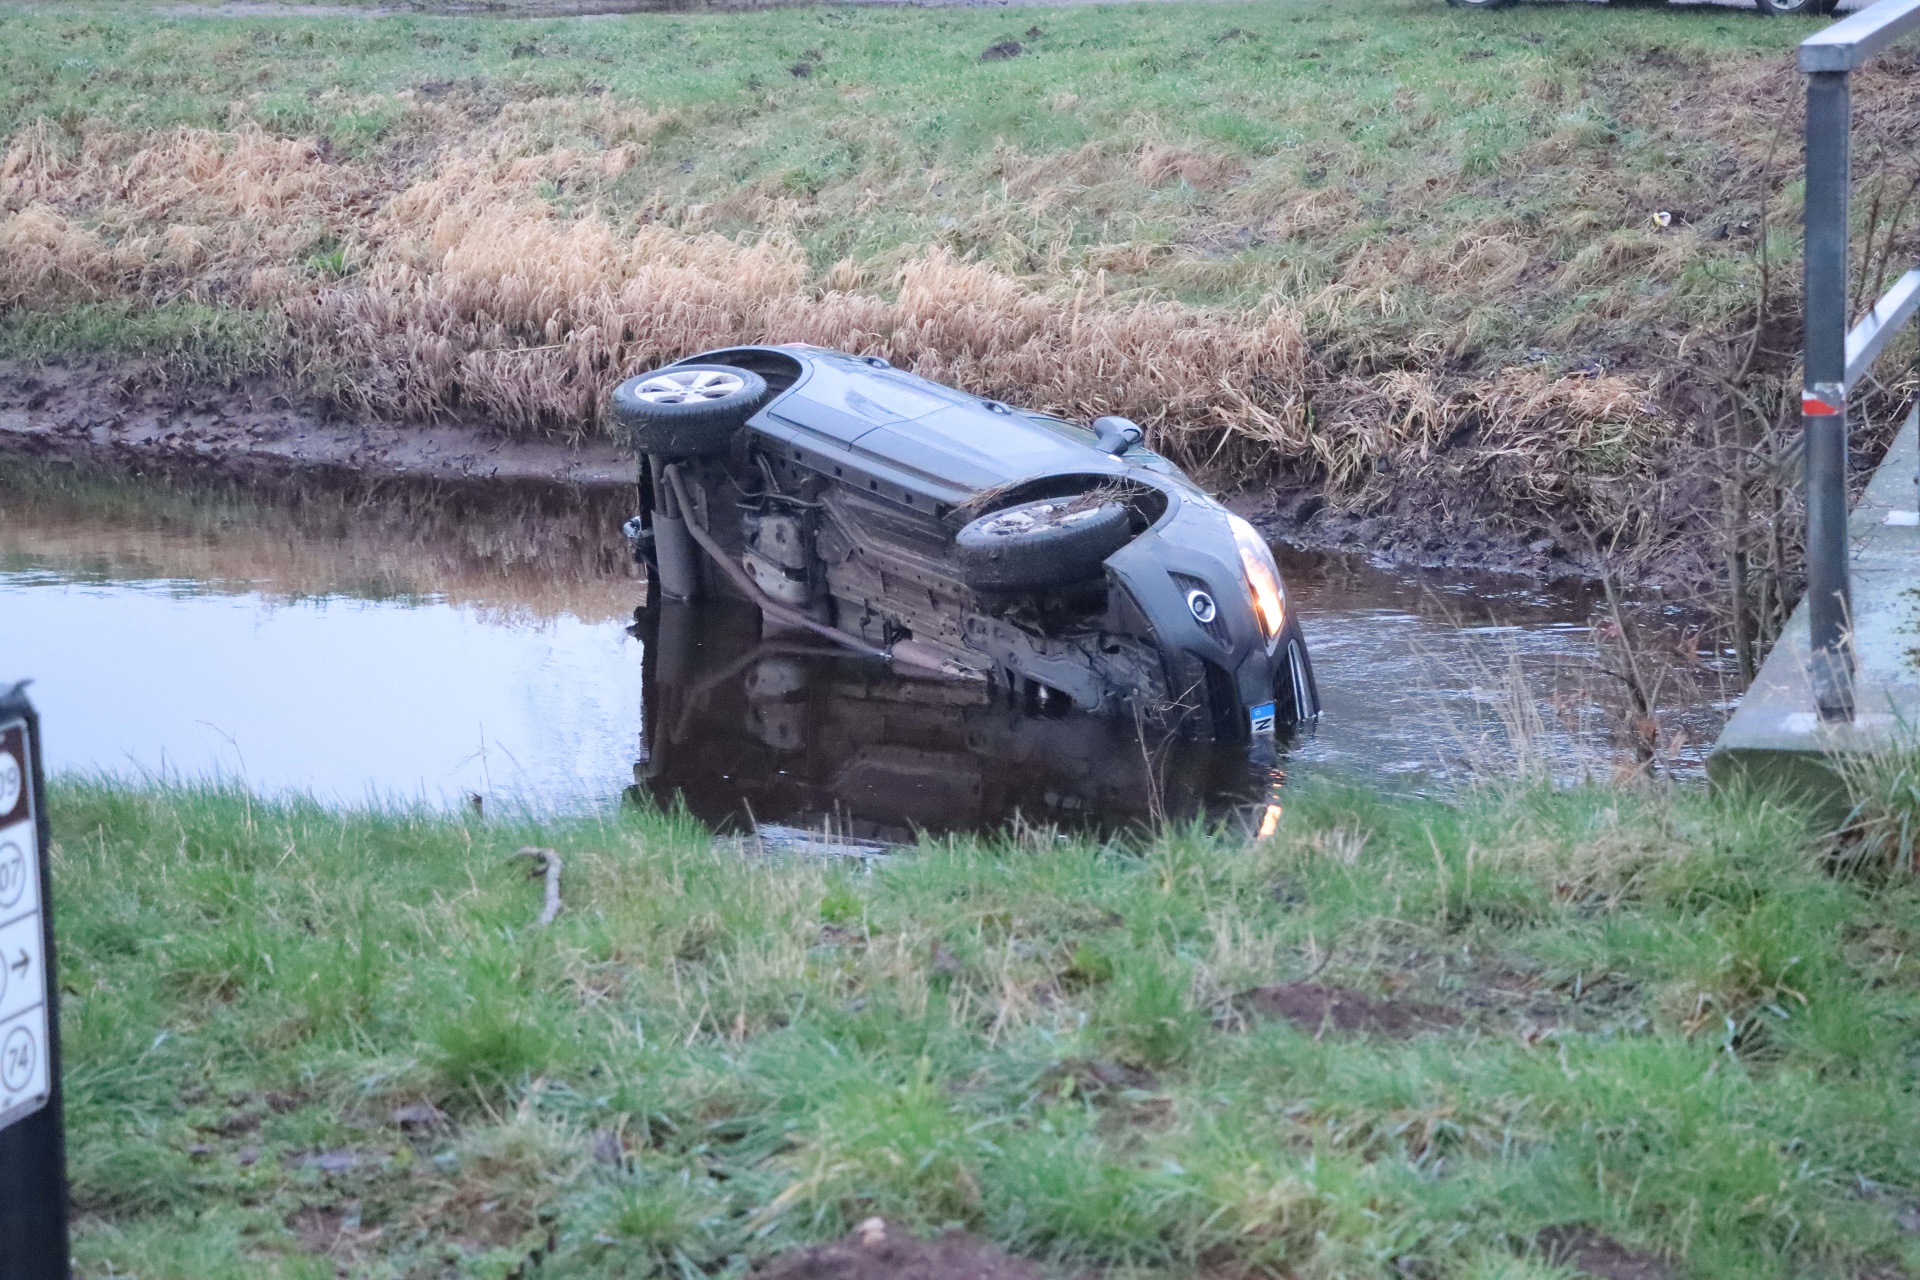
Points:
[(687, 410), (1795, 8), (1035, 545)]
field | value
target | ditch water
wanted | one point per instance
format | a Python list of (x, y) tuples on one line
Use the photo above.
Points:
[(407, 646)]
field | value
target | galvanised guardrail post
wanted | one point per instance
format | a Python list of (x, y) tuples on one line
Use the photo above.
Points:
[(1833, 358), (1823, 403)]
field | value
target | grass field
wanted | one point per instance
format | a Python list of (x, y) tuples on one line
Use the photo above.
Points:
[(1389, 246), (1401, 1037)]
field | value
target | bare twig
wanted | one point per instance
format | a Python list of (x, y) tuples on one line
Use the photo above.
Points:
[(1643, 693), (1752, 431), (547, 862), (1156, 784)]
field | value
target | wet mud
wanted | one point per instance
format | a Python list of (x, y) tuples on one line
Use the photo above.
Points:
[(880, 1250), (131, 416)]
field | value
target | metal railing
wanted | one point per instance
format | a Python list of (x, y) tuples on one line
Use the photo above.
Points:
[(1835, 359)]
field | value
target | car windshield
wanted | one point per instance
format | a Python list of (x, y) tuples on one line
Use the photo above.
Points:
[(1085, 435), (1072, 430)]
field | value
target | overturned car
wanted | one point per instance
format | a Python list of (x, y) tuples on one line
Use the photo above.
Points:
[(961, 537)]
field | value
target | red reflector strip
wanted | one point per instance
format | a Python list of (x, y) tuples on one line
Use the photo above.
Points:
[(1814, 407)]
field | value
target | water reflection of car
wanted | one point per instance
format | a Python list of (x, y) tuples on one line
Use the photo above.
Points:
[(749, 732), (1059, 564)]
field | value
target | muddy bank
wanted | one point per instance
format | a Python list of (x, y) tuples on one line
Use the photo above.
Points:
[(133, 416), (1431, 535)]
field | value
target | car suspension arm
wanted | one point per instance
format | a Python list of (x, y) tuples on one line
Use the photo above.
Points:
[(904, 652)]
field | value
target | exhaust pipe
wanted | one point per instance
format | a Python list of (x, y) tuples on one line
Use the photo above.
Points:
[(675, 555)]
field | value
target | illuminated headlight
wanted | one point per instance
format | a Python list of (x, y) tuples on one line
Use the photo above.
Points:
[(1263, 579)]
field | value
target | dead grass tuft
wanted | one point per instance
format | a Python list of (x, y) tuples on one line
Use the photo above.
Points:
[(1536, 435), (1157, 163)]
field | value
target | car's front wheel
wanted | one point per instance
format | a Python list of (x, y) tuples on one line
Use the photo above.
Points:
[(1036, 545), (1795, 8), (687, 410)]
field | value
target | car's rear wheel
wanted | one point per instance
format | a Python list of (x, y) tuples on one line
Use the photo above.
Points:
[(687, 410), (1036, 545), (1795, 8)]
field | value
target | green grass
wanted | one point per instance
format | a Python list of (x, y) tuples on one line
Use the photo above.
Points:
[(1655, 1014), (1561, 128), (198, 340)]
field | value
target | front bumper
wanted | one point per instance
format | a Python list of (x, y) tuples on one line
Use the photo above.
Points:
[(1221, 667)]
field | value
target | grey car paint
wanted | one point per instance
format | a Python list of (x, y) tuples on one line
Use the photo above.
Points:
[(857, 421)]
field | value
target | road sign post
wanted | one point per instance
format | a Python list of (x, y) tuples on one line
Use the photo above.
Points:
[(33, 1164)]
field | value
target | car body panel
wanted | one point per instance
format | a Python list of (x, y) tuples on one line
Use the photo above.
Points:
[(952, 444), (891, 436), (900, 420)]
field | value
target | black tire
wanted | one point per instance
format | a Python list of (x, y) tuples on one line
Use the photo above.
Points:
[(1794, 8), (1035, 545), (1479, 4), (687, 410)]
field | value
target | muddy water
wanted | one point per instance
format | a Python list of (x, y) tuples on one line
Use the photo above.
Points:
[(438, 647)]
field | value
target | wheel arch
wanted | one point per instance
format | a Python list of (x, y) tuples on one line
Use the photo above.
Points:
[(780, 370)]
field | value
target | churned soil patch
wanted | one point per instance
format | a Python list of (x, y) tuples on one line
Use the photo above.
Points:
[(1589, 1253), (331, 1229), (1318, 1008), (1091, 1077), (878, 1250)]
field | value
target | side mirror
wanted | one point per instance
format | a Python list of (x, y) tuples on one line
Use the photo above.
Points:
[(1116, 435)]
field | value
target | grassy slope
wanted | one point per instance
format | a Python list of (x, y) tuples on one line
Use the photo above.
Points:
[(1670, 1025), (898, 137), (1382, 226)]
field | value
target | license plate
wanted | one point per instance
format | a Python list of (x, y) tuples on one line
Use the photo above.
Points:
[(1261, 720)]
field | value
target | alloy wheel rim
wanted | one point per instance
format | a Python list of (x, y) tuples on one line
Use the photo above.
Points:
[(689, 386), (1026, 519)]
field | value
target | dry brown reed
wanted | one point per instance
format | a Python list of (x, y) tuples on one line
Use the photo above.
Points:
[(458, 287)]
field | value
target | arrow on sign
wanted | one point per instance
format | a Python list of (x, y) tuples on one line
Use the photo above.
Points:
[(20, 965)]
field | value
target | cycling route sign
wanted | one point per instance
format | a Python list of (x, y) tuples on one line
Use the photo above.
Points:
[(25, 1032)]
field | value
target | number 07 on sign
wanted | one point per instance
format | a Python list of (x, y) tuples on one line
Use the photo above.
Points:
[(33, 1194)]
